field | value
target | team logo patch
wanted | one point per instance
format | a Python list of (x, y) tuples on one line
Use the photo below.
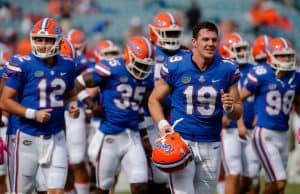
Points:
[(52, 72), (109, 140), (201, 78), (167, 148), (123, 79), (38, 73), (159, 58), (27, 142), (186, 79), (272, 86)]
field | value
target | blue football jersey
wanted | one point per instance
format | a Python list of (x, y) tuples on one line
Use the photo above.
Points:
[(161, 57), (273, 96), (248, 104), (121, 94), (196, 95), (41, 87)]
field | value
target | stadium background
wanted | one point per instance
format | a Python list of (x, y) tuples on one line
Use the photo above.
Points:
[(119, 19)]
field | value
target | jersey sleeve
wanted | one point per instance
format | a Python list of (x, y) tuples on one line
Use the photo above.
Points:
[(100, 73), (167, 71), (252, 82), (15, 73)]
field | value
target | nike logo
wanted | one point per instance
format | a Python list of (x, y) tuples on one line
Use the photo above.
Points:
[(62, 74), (215, 80)]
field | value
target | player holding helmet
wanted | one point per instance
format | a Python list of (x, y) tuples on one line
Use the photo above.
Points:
[(202, 85)]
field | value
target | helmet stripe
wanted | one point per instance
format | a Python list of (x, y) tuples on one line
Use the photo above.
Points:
[(148, 47), (44, 24), (239, 36), (286, 45), (266, 41), (109, 43), (173, 21), (69, 35)]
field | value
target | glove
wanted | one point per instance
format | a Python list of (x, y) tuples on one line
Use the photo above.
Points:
[(298, 136), (3, 147)]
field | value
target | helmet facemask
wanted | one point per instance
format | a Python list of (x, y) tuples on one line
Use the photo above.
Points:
[(139, 68), (168, 39), (45, 50), (281, 65)]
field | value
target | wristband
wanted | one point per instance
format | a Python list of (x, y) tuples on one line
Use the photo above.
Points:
[(162, 123), (228, 111), (4, 120), (81, 80), (82, 95), (145, 137), (31, 114), (72, 104)]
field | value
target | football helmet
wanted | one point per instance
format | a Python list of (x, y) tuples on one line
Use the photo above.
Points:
[(139, 57), (106, 49), (45, 28), (165, 31), (171, 153), (258, 49), (235, 47), (67, 49), (78, 40), (281, 47)]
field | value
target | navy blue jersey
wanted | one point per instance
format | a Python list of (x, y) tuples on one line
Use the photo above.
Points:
[(121, 95), (41, 87), (248, 104), (196, 95), (273, 96)]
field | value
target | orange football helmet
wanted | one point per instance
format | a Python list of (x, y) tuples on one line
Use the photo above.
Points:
[(258, 50), (235, 47), (106, 49), (139, 57), (171, 153), (281, 47), (78, 40), (67, 49), (165, 31), (46, 28)]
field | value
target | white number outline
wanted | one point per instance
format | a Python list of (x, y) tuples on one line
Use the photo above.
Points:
[(57, 87), (130, 97), (207, 104), (275, 102)]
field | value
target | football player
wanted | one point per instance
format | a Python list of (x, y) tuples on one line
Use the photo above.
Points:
[(165, 33), (124, 82), (4, 55), (238, 157), (276, 87), (42, 81), (76, 129), (202, 85)]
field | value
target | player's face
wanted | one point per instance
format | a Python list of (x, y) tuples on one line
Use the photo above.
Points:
[(206, 43), (44, 44), (285, 58)]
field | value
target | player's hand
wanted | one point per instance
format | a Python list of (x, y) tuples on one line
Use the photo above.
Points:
[(298, 136), (165, 130), (227, 100), (243, 133), (43, 115), (74, 112)]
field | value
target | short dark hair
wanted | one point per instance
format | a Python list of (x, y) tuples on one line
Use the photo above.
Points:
[(204, 25)]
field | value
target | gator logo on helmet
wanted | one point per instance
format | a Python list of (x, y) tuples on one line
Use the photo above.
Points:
[(165, 147)]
